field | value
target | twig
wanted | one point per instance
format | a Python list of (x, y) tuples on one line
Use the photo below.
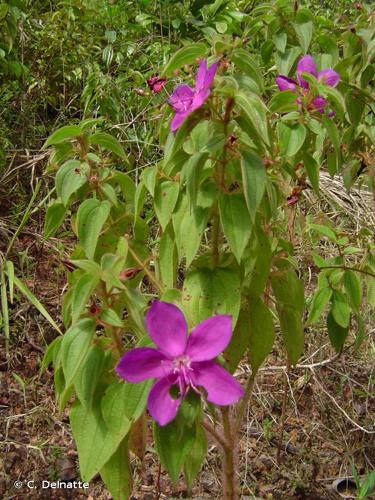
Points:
[(146, 270), (215, 434), (301, 365)]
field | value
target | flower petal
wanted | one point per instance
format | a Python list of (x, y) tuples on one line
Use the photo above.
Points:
[(167, 327), (286, 83), (329, 77), (210, 75), (201, 75), (306, 65), (142, 363), (209, 338), (320, 103), (181, 98), (162, 407), (222, 388), (199, 99), (178, 120)]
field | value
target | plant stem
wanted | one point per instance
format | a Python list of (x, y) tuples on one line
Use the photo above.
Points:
[(283, 413), (215, 235), (220, 439), (346, 268), (230, 486), (146, 270), (114, 332), (220, 180), (244, 403)]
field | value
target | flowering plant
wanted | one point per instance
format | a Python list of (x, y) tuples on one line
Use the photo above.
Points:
[(186, 100), (302, 87), (203, 241)]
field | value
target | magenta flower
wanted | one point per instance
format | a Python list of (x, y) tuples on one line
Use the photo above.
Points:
[(156, 83), (185, 100), (181, 360), (302, 87)]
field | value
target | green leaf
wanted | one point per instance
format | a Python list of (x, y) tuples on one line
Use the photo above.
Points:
[(50, 354), (368, 485), (304, 34), (246, 63), (70, 177), (36, 303), (195, 457), (318, 304), (107, 141), (280, 40), (236, 222), (259, 265), (88, 265), (55, 216), (285, 60), (75, 347), (149, 176), (289, 293), (96, 443), (185, 55), (353, 289), (63, 134), (254, 112), (81, 294), (283, 102), (261, 332), (124, 398), (291, 137), (116, 473), (166, 195), (88, 375), (4, 303), (174, 443), (355, 104), (192, 172), (337, 334), (91, 216), (239, 342), (312, 169), (340, 309), (254, 180), (324, 230), (127, 186), (192, 222), (207, 292), (167, 258), (333, 134), (9, 268), (109, 192), (110, 317)]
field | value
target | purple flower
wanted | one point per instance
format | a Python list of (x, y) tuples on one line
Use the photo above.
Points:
[(185, 100), (181, 360), (301, 86), (156, 83)]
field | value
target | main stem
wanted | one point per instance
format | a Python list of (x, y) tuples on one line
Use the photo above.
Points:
[(220, 180), (230, 486)]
